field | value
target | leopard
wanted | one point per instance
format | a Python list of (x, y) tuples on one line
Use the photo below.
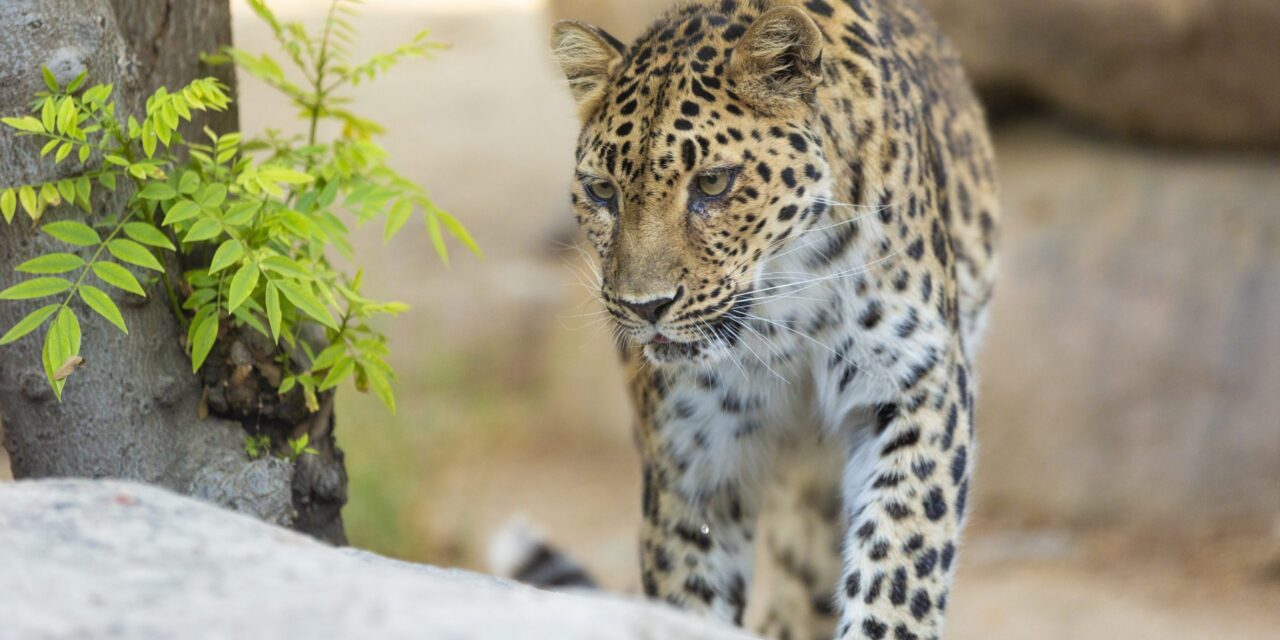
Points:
[(793, 208)]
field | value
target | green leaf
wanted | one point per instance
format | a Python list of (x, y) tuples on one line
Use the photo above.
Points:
[(67, 189), (118, 277), (180, 107), (203, 336), (134, 253), (77, 82), (28, 324), (199, 298), (286, 267), (63, 152), (400, 213), (61, 346), (8, 204), (52, 263), (49, 194), (203, 230), (298, 224), (433, 226), (47, 116), (242, 286), (329, 194), (72, 232), (161, 127), (246, 317), (302, 297), (213, 196), (457, 230), (273, 310), (241, 212), (66, 114), (157, 191), (182, 211), (83, 188), (30, 202), (328, 357), (27, 123), (99, 301), (381, 385), (189, 183), (49, 80), (35, 288), (149, 142), (339, 372), (148, 235), (226, 255)]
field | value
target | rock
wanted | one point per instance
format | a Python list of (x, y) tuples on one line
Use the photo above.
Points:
[(1202, 72), (95, 559), (1181, 71), (1131, 363)]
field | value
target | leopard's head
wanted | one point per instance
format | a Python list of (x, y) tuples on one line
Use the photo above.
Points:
[(697, 161)]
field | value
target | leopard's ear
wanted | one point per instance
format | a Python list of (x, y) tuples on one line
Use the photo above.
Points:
[(588, 56), (778, 63)]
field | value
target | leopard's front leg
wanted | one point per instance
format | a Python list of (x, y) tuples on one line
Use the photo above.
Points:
[(699, 505), (905, 489), (696, 551)]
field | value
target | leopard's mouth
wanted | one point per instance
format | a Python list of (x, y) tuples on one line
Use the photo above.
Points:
[(717, 337)]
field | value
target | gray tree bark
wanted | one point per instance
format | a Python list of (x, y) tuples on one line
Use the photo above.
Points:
[(134, 410)]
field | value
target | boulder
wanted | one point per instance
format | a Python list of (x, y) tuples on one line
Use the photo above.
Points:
[(97, 559), (1203, 72)]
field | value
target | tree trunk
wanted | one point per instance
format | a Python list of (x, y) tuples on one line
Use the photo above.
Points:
[(134, 410)]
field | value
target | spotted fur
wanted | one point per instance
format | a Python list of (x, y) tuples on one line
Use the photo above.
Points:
[(803, 343)]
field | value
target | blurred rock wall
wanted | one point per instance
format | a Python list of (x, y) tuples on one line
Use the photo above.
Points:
[(1132, 364), (1203, 72)]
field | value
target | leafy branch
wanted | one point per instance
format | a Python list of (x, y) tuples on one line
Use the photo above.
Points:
[(253, 221)]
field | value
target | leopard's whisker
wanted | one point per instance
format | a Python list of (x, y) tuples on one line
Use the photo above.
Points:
[(833, 276), (748, 327)]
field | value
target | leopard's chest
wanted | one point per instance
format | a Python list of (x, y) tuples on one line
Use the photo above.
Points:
[(818, 349)]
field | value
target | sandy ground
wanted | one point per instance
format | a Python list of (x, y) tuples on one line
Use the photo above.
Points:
[(511, 403)]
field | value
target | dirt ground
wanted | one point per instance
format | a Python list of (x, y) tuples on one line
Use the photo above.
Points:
[(511, 402)]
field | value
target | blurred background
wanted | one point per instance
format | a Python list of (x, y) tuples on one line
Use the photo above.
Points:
[(1129, 479)]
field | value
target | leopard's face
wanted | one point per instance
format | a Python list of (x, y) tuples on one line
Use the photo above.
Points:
[(684, 188)]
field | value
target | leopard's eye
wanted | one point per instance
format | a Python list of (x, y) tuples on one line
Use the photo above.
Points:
[(601, 190), (714, 184)]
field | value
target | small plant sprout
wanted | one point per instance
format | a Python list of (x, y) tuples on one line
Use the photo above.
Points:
[(299, 446), (257, 446)]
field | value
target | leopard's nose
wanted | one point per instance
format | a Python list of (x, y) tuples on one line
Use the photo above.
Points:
[(651, 309)]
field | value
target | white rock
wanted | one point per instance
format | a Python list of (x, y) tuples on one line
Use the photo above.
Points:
[(97, 559)]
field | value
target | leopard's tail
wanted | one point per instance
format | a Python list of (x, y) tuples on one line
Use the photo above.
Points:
[(520, 552)]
